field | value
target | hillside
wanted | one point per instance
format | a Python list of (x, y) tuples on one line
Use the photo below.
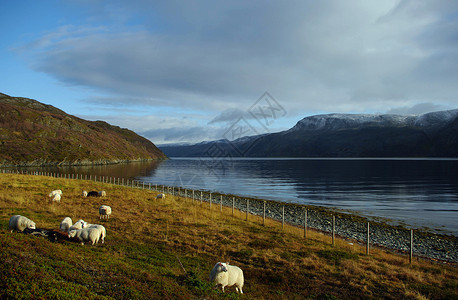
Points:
[(33, 133), (165, 249), (344, 135)]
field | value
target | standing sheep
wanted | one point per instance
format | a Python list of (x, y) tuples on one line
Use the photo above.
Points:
[(55, 192), (86, 235), (160, 196), (84, 194), (65, 224), (104, 212), (227, 275), (103, 232), (56, 198), (102, 194), (93, 194), (18, 222), (78, 225)]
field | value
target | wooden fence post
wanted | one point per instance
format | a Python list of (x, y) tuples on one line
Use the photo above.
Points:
[(210, 201), (221, 204), (305, 223), (283, 217), (247, 208), (233, 204), (368, 239), (333, 230), (264, 215), (411, 246)]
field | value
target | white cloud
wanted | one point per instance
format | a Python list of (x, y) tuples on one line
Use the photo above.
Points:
[(218, 58)]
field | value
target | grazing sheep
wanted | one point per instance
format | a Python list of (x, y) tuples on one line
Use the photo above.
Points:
[(51, 235), (65, 224), (78, 225), (102, 194), (84, 194), (56, 198), (103, 231), (226, 275), (55, 192), (18, 222), (104, 212), (160, 196), (86, 235), (93, 194)]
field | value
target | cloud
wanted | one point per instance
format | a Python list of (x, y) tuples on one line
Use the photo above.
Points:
[(416, 109), (212, 56)]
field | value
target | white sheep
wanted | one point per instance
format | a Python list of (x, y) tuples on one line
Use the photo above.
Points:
[(102, 194), (56, 198), (66, 224), (104, 212), (103, 231), (18, 222), (84, 194), (86, 235), (160, 196), (55, 192), (77, 225), (227, 275)]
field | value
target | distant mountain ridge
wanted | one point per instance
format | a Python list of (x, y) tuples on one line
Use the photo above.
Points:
[(344, 135), (37, 134)]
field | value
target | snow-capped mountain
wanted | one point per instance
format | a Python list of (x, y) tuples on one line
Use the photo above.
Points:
[(348, 121), (344, 135)]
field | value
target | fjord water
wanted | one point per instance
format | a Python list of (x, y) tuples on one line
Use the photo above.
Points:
[(415, 192)]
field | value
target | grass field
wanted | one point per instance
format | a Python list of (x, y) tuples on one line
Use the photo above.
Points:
[(165, 249)]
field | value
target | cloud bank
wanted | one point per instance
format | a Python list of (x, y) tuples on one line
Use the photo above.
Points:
[(313, 56)]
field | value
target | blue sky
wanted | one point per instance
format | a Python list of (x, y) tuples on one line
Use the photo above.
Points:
[(186, 71)]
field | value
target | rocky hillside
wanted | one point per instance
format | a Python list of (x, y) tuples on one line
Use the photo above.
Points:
[(344, 135), (36, 134)]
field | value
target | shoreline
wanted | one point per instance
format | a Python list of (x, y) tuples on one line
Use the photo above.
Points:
[(348, 226)]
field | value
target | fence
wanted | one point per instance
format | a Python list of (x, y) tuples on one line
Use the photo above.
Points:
[(358, 229)]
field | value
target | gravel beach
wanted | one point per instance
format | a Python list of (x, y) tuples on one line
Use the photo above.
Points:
[(348, 226)]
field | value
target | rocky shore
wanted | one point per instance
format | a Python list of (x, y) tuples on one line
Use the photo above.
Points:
[(347, 226)]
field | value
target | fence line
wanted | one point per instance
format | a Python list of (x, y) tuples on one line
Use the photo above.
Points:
[(294, 214)]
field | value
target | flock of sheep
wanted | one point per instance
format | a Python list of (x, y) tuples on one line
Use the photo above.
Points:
[(222, 273)]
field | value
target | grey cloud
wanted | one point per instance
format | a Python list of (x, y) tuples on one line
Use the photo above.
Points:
[(312, 55), (180, 134), (229, 115), (416, 109)]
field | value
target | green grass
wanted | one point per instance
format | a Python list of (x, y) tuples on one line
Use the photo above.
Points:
[(166, 249)]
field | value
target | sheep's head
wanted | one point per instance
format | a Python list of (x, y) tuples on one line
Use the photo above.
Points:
[(31, 225), (222, 267)]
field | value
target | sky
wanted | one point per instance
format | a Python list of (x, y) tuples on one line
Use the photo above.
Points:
[(189, 71)]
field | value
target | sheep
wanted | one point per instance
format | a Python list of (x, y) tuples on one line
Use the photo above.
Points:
[(84, 194), (65, 224), (160, 196), (86, 235), (56, 198), (51, 235), (55, 192), (102, 194), (93, 194), (104, 212), (78, 225), (18, 222), (227, 275), (103, 231)]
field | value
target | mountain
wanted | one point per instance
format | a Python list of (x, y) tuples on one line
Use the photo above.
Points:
[(33, 133), (343, 135)]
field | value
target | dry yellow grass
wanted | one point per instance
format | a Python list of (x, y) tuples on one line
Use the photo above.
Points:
[(149, 242)]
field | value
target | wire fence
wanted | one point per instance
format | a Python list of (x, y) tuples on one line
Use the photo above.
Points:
[(353, 228)]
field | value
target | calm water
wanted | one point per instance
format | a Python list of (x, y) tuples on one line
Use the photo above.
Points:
[(420, 193)]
